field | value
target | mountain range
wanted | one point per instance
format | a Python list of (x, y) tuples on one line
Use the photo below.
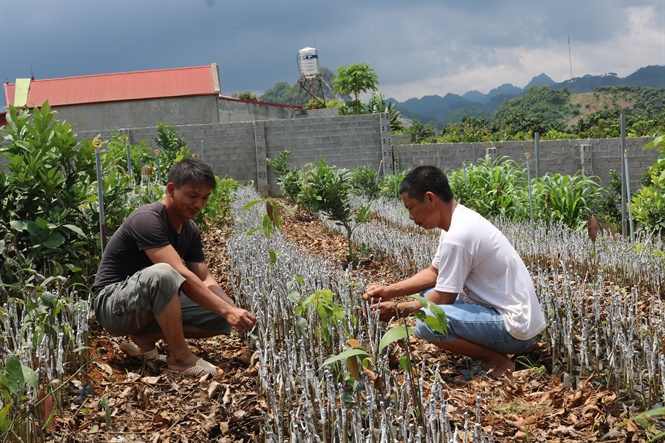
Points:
[(451, 108)]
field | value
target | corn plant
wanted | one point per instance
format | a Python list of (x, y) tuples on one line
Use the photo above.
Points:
[(566, 199), (493, 188)]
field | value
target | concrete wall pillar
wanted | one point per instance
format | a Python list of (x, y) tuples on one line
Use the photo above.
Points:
[(586, 159), (261, 163)]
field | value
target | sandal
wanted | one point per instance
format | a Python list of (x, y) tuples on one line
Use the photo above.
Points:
[(130, 349), (476, 369), (202, 367)]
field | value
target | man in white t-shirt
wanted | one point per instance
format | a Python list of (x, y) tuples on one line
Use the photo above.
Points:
[(476, 276)]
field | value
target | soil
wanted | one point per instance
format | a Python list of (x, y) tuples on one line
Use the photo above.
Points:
[(117, 398)]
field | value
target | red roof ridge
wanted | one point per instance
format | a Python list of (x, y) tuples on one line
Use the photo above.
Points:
[(109, 74), (121, 86)]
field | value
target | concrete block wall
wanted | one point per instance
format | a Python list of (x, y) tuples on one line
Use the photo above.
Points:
[(343, 141), (554, 156), (239, 149)]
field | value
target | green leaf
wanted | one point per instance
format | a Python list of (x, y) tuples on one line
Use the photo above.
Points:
[(438, 321), (75, 229), (405, 363), (394, 334), (54, 240), (346, 354), (250, 204), (19, 225), (15, 379), (660, 140), (294, 296), (302, 327), (43, 224), (4, 422), (253, 230), (73, 268), (30, 377)]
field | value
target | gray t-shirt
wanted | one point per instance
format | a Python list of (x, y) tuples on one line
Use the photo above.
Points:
[(147, 227)]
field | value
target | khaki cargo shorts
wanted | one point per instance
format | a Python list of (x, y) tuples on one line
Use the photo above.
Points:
[(131, 306)]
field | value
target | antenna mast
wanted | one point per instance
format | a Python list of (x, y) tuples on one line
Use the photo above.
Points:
[(570, 58)]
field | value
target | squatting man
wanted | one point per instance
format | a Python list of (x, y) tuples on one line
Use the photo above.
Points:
[(476, 276), (153, 282)]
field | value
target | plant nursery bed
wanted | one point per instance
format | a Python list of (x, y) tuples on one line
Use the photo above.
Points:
[(117, 398)]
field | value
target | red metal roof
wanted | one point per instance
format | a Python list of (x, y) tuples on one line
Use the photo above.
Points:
[(139, 85)]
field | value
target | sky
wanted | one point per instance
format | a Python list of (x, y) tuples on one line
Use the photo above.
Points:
[(416, 47)]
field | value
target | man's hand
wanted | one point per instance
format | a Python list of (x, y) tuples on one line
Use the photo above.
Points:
[(241, 319), (386, 309), (377, 293), (390, 309)]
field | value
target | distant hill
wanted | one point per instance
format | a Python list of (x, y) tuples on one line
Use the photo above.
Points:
[(451, 108)]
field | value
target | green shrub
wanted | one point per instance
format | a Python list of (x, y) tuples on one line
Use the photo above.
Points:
[(327, 189), (608, 206), (648, 205), (171, 148), (290, 178), (648, 208), (390, 184), (365, 181), (141, 155), (219, 203), (48, 200)]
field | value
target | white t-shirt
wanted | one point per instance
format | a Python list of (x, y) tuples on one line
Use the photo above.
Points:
[(476, 261)]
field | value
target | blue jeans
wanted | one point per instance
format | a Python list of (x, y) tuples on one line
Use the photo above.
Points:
[(479, 324)]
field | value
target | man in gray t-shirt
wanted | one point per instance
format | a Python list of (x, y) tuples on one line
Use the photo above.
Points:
[(153, 282)]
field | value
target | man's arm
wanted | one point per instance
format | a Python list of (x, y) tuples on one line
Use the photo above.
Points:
[(203, 272), (196, 289), (413, 285), (390, 309), (424, 279)]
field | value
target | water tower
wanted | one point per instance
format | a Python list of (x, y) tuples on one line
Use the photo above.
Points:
[(311, 85)]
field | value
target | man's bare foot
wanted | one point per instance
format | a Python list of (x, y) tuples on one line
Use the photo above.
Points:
[(144, 343), (498, 367)]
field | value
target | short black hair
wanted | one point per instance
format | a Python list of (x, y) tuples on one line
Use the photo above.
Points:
[(426, 179), (192, 170)]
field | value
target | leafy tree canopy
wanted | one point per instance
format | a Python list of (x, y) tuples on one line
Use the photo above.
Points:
[(355, 79)]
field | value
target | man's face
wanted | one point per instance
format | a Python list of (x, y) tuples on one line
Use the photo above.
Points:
[(419, 211), (190, 199)]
